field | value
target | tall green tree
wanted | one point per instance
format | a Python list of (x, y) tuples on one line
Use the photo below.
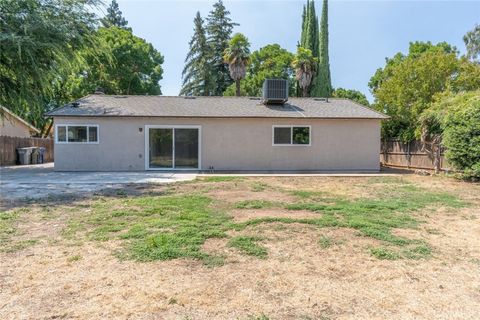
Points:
[(323, 82), (219, 29), (309, 38), (269, 62), (196, 75), (135, 67), (39, 40), (472, 42), (351, 94), (114, 17), (305, 65)]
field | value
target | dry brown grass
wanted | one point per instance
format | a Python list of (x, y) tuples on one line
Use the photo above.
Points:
[(60, 278)]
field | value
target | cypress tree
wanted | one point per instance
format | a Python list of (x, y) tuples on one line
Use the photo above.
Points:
[(324, 82), (196, 74), (114, 17), (309, 38), (219, 28)]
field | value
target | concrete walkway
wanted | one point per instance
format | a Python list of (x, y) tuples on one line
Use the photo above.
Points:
[(37, 181)]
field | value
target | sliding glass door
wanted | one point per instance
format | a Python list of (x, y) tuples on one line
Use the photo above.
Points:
[(161, 148), (173, 148)]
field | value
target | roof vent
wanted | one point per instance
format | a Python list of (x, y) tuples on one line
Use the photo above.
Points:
[(321, 99), (75, 104), (275, 91)]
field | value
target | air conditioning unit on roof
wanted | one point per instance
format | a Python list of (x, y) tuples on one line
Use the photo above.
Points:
[(275, 91)]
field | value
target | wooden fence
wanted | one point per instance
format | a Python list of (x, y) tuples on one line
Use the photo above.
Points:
[(9, 145), (411, 155)]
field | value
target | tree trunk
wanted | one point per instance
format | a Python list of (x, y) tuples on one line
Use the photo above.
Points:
[(237, 84), (44, 134), (305, 92)]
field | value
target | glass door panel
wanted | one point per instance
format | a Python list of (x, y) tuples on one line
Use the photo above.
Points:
[(161, 148), (186, 148)]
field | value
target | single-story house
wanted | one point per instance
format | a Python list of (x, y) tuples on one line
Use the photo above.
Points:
[(12, 125), (122, 133)]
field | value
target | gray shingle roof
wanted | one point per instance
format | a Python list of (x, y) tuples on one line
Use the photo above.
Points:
[(213, 107)]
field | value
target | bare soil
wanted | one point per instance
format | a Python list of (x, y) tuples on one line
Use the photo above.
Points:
[(57, 279)]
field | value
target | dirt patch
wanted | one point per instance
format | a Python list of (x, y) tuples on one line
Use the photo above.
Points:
[(242, 215), (234, 196)]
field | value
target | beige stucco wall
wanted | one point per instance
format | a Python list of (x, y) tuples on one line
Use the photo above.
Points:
[(229, 144), (9, 126)]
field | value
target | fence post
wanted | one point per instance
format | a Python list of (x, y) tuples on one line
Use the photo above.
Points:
[(409, 156), (436, 156)]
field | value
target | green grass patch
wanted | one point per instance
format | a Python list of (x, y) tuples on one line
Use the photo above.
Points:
[(248, 246), (376, 217), (413, 252), (155, 227), (171, 226), (7, 228), (255, 204)]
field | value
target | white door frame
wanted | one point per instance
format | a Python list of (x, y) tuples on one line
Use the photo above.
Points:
[(177, 126)]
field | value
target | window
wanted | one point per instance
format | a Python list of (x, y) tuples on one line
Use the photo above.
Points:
[(77, 134), (291, 135)]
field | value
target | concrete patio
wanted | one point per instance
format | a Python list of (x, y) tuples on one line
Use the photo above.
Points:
[(38, 181)]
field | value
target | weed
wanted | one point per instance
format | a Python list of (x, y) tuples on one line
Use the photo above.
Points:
[(249, 246), (418, 252), (259, 186), (74, 258), (384, 253), (325, 242)]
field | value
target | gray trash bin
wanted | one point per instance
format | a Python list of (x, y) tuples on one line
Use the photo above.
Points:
[(41, 156), (35, 156), (25, 155)]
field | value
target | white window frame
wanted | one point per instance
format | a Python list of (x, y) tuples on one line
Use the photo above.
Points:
[(77, 125), (147, 145), (291, 126)]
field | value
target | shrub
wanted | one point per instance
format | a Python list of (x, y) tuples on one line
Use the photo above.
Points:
[(461, 133)]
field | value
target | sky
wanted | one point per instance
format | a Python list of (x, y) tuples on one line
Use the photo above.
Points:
[(362, 33)]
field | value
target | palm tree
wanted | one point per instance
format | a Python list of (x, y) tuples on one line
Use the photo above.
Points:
[(237, 55), (305, 65)]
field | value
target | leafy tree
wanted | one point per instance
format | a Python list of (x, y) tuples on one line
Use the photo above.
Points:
[(353, 95), (407, 85), (39, 40), (323, 82), (416, 49), (219, 29), (472, 42), (269, 62), (136, 67), (237, 56), (196, 73), (114, 17), (305, 65)]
